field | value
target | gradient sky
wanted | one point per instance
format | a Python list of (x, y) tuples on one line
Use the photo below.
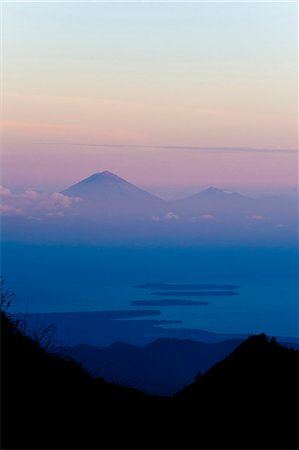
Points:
[(167, 94)]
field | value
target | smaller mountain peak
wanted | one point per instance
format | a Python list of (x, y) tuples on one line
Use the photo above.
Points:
[(213, 190)]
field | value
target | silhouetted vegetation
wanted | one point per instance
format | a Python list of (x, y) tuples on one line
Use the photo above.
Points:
[(7, 295), (246, 401), (51, 402)]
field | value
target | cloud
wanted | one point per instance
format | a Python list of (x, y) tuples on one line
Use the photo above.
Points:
[(8, 210), (178, 147), (55, 214), (35, 204), (30, 194), (5, 192), (156, 218), (206, 217), (58, 200), (203, 217), (61, 200), (280, 225), (168, 216), (256, 218), (34, 218), (171, 216)]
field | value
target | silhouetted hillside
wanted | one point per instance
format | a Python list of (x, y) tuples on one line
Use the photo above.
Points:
[(246, 401), (251, 395), (51, 402)]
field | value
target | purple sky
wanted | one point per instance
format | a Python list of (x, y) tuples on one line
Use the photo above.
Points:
[(169, 96)]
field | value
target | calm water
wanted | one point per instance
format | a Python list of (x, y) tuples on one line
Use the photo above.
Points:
[(57, 279)]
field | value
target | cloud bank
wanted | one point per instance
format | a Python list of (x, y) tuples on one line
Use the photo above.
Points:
[(33, 204), (178, 147)]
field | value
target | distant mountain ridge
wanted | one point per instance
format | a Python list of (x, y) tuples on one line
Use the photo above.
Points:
[(108, 183), (105, 208), (163, 366), (108, 193)]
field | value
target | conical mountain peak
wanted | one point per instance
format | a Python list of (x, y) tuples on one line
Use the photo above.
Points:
[(101, 176), (106, 187), (95, 183), (107, 174)]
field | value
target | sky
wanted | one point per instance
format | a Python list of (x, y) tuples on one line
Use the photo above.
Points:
[(171, 96)]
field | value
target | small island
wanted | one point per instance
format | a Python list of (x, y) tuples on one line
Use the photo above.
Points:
[(186, 287), (167, 303), (195, 293)]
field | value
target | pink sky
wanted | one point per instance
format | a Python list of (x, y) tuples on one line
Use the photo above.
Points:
[(200, 76)]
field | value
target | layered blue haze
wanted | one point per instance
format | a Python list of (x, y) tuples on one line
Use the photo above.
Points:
[(82, 278)]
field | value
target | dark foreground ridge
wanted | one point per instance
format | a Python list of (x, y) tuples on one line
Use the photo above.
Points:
[(246, 401)]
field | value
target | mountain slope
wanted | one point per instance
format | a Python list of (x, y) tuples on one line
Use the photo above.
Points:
[(107, 194), (108, 198), (215, 201), (107, 185), (252, 391), (51, 402)]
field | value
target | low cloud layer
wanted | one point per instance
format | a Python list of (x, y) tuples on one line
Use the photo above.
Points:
[(168, 216), (171, 216), (34, 204), (256, 218), (203, 217)]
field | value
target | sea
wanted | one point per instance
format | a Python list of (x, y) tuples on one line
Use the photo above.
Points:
[(71, 278)]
